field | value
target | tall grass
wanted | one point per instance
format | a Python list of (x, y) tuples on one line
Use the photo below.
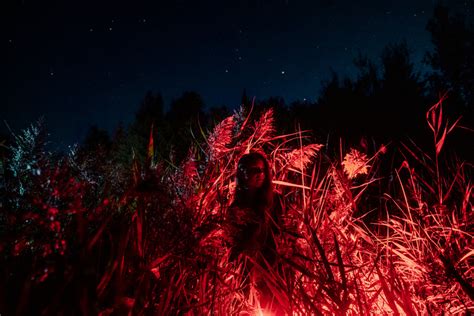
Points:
[(154, 240)]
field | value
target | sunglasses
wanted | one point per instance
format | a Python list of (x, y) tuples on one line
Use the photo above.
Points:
[(254, 170)]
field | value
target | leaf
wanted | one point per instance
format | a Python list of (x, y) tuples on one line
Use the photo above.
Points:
[(440, 143), (467, 255), (454, 124), (139, 223), (150, 152), (388, 294), (440, 118)]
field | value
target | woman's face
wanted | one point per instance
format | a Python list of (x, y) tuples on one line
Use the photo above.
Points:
[(254, 175)]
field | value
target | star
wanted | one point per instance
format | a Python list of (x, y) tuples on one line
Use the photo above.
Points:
[(91, 30), (110, 29), (282, 72), (227, 70)]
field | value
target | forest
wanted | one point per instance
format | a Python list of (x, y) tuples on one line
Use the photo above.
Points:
[(375, 178)]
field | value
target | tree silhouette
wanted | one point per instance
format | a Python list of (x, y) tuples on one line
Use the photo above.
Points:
[(215, 115), (453, 62), (184, 116), (150, 114), (401, 102), (384, 106), (245, 100), (337, 111), (135, 142), (96, 139)]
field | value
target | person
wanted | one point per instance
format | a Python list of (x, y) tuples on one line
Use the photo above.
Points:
[(254, 218)]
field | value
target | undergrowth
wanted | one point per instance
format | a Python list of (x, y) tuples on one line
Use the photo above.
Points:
[(152, 240)]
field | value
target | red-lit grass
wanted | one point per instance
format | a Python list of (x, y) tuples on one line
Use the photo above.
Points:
[(161, 246)]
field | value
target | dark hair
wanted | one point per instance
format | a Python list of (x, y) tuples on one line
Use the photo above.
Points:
[(264, 195)]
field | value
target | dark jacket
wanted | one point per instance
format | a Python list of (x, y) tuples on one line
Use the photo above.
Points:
[(252, 231)]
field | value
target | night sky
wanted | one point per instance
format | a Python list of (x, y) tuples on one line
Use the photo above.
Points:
[(79, 63)]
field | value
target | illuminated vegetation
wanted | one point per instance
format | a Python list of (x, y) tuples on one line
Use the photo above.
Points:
[(151, 238)]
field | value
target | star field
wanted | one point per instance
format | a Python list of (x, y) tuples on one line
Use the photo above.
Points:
[(89, 63)]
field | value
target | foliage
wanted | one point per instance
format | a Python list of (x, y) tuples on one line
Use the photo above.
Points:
[(452, 59), (92, 238), (137, 224)]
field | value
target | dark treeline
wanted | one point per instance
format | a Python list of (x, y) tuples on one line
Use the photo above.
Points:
[(88, 224), (386, 102)]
